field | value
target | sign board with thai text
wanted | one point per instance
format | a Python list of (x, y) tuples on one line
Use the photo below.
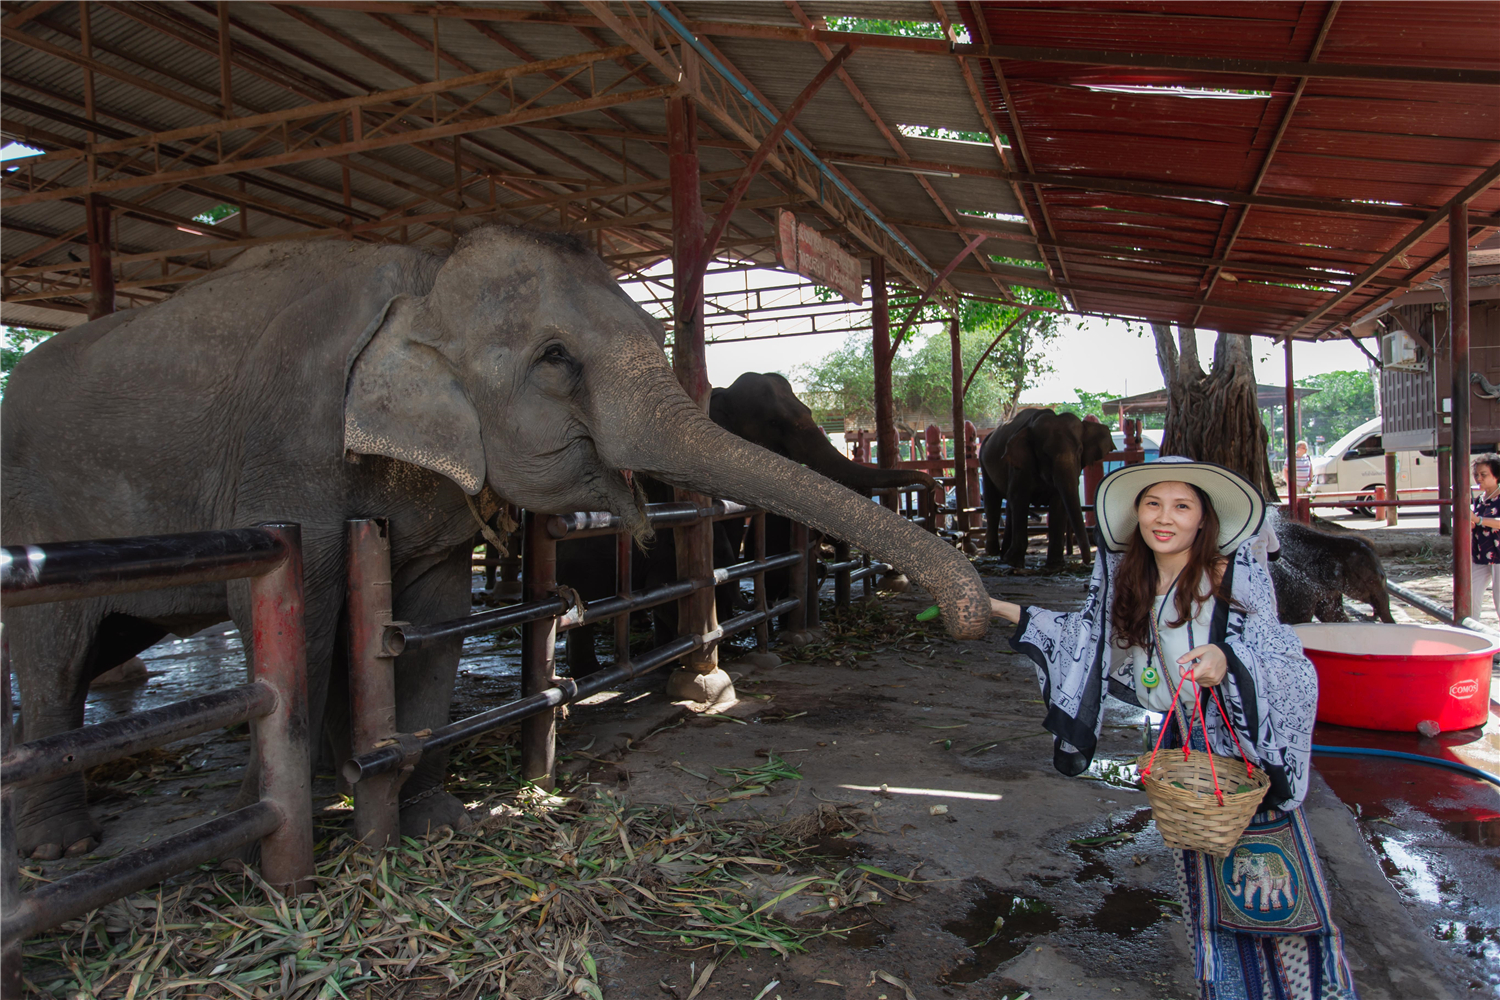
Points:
[(805, 251)]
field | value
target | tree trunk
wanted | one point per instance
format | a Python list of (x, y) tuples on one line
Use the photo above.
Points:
[(1214, 417)]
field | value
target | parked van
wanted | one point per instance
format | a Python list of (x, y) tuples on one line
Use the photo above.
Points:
[(1355, 463)]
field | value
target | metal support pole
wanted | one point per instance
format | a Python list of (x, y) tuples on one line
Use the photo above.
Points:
[(1445, 485), (1391, 515), (10, 864), (372, 677), (1289, 421), (799, 576), (1458, 317), (538, 647), (889, 447), (758, 553), (623, 586), (101, 269), (688, 357), (279, 655), (813, 562), (960, 472), (841, 585)]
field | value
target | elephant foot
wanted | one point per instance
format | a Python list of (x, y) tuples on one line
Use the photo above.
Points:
[(895, 583), (425, 814), (49, 837), (710, 692), (755, 660)]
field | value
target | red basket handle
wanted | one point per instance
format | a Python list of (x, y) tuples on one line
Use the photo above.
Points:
[(1203, 723)]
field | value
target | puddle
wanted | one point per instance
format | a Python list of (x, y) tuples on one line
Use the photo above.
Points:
[(1128, 911), (997, 928), (1092, 849), (1115, 773)]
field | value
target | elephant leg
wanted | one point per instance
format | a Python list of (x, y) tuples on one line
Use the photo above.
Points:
[(581, 656), (1380, 601), (1057, 531), (993, 512), (424, 691), (57, 649), (1018, 507)]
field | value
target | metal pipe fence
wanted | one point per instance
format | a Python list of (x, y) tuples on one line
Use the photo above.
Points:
[(274, 704), (382, 756)]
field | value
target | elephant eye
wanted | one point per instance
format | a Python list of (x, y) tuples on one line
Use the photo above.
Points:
[(555, 352)]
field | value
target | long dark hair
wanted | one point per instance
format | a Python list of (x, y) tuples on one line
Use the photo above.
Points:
[(1136, 580)]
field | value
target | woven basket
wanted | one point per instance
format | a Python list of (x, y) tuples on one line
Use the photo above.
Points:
[(1190, 818)]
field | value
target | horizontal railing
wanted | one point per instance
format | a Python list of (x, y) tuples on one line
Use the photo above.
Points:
[(274, 704)]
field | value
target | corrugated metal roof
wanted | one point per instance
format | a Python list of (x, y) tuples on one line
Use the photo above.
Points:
[(1125, 243), (1353, 140)]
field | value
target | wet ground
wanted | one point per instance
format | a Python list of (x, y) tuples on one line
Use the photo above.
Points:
[(1024, 881)]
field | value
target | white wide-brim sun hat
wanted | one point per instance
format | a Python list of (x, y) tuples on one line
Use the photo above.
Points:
[(1239, 505)]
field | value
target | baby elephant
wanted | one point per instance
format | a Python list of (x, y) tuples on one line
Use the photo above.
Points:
[(1318, 568)]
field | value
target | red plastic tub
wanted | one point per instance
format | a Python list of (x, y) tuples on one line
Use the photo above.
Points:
[(1379, 676)]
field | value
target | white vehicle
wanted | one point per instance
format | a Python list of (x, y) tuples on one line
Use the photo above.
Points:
[(1355, 464)]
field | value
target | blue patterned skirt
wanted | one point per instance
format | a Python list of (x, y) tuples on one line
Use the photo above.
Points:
[(1303, 962)]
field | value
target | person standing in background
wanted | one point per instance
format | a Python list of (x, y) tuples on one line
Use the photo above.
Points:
[(1484, 569), (1304, 468)]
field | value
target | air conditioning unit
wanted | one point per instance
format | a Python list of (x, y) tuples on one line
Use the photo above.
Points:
[(1400, 351)]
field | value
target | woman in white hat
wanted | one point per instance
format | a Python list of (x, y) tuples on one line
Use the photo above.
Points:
[(1178, 591)]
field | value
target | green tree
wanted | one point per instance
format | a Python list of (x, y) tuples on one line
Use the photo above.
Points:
[(1344, 400), (18, 340), (843, 382)]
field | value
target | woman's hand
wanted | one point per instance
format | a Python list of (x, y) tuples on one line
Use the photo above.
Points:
[(1004, 609), (1211, 667)]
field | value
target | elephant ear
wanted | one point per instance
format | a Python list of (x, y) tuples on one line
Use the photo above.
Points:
[(1018, 452), (1097, 442), (403, 399)]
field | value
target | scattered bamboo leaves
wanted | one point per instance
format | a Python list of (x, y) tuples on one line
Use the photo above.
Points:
[(517, 907)]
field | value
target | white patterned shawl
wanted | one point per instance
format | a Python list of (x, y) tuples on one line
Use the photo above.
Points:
[(1270, 692)]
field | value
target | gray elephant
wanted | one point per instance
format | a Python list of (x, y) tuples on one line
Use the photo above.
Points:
[(1035, 460), (761, 408), (1333, 565), (330, 380)]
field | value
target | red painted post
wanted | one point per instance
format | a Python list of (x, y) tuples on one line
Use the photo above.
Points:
[(935, 459), (372, 678), (623, 585), (1458, 318), (278, 653), (960, 474), (101, 273), (538, 648), (1289, 422), (885, 407), (696, 613), (1135, 452), (10, 866), (971, 462), (1391, 490)]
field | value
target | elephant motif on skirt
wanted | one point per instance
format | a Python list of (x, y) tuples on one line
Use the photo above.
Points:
[(1263, 873)]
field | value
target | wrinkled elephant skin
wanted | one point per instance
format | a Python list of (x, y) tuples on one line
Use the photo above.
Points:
[(1035, 460), (333, 380), (764, 410)]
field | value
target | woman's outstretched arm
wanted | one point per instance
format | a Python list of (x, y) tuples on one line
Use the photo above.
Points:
[(1004, 609)]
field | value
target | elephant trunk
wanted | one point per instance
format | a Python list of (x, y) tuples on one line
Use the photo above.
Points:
[(656, 429), (1067, 485), (821, 456)]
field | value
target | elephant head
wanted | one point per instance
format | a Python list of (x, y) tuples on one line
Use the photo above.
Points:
[(764, 409), (526, 367)]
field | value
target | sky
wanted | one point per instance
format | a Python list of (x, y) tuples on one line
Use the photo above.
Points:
[(1092, 354)]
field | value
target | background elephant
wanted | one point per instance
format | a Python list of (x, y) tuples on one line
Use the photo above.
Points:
[(761, 408), (1035, 460), (1319, 568), (332, 380)]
